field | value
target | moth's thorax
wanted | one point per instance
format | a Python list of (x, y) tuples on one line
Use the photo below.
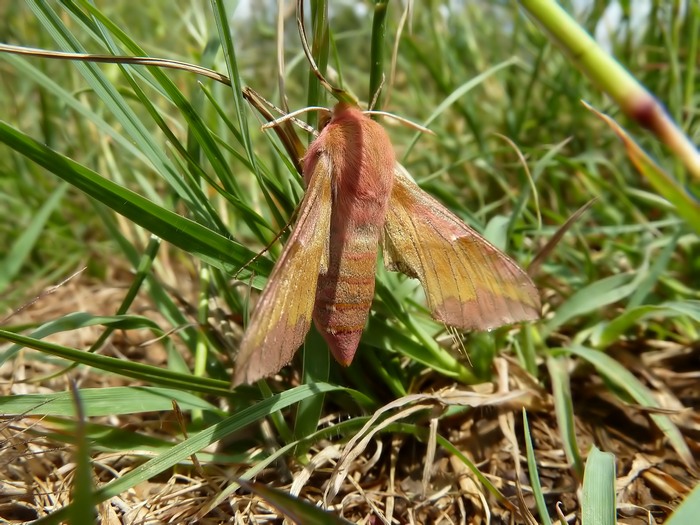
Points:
[(361, 156)]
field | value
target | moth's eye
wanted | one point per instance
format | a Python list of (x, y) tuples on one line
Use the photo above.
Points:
[(323, 120)]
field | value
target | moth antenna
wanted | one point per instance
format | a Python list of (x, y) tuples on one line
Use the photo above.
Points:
[(293, 115), (405, 121), (258, 101), (118, 59)]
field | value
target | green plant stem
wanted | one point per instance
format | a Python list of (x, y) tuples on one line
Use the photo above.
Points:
[(376, 73), (610, 76)]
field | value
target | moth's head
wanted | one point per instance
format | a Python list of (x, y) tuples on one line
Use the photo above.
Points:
[(342, 110), (324, 118)]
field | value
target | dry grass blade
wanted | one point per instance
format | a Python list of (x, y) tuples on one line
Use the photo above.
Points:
[(328, 454), (430, 455), (357, 446), (113, 59), (419, 402)]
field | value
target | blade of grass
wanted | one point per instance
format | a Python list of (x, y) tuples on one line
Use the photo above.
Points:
[(131, 369), (81, 489), (592, 298), (225, 36), (110, 401), (11, 263), (534, 475), (315, 369), (618, 326), (688, 511), (598, 504), (564, 410), (658, 269), (376, 73)]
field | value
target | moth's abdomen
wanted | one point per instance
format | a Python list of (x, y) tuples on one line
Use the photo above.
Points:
[(344, 294)]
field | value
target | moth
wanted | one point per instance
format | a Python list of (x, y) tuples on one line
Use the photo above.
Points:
[(357, 199)]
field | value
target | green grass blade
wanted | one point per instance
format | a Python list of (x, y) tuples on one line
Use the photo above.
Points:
[(658, 269), (76, 320), (83, 510), (593, 297), (376, 73), (688, 511), (16, 255), (564, 410), (109, 401), (614, 330), (221, 17), (316, 359), (533, 474), (131, 369), (598, 505)]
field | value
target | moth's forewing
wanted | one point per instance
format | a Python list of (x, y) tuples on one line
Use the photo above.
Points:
[(468, 282), (282, 316)]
